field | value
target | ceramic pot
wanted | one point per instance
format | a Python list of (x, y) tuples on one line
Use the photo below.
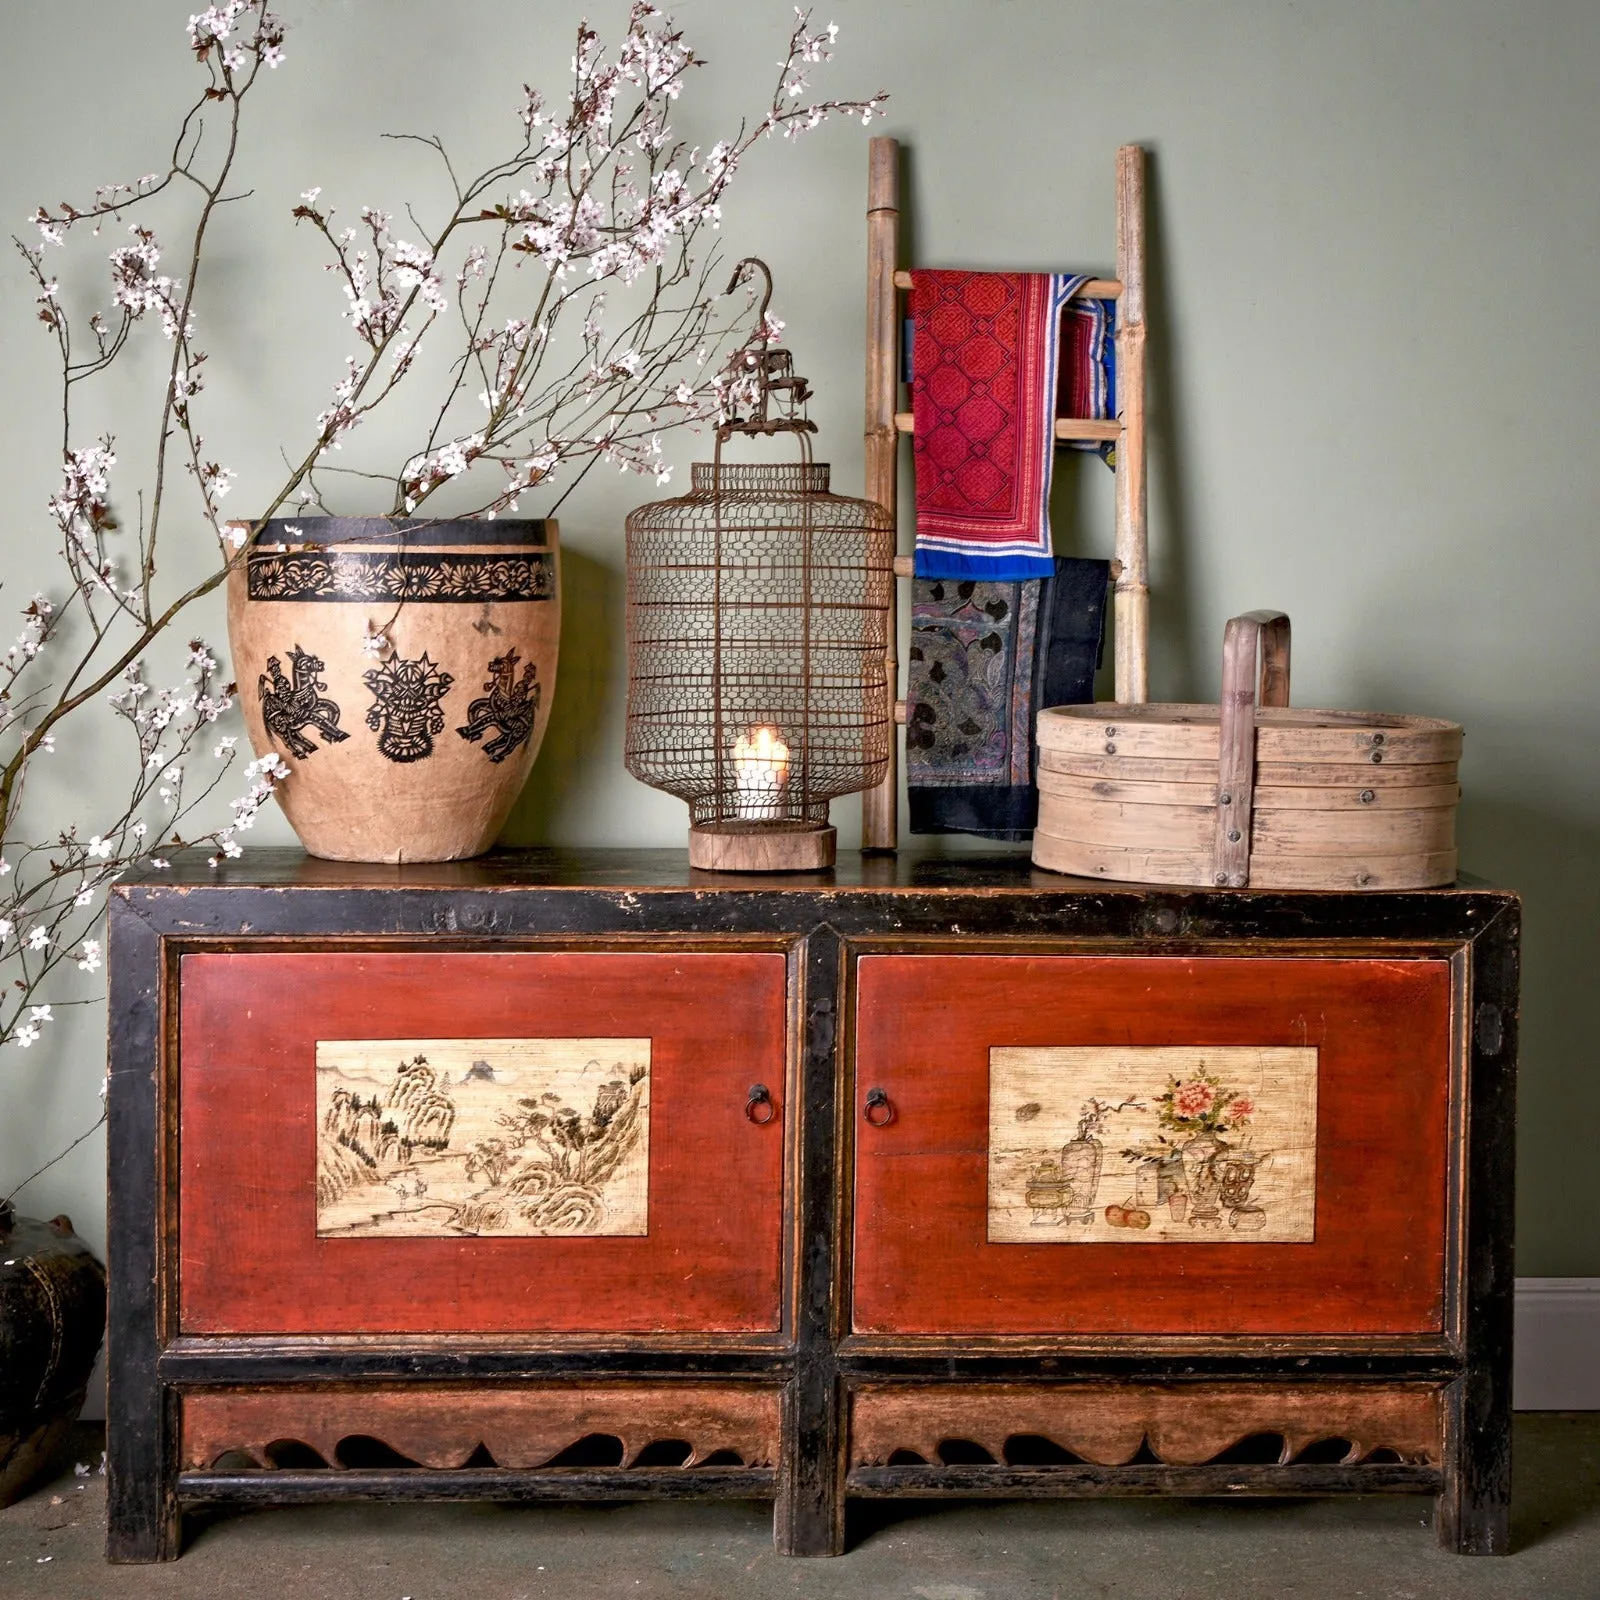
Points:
[(1236, 1173), (52, 1319), (1080, 1167), (1200, 1156), (416, 747)]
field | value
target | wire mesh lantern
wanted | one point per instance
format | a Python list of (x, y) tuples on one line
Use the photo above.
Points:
[(757, 628)]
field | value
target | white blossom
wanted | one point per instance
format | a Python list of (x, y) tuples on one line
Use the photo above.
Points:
[(89, 961), (80, 506), (137, 287)]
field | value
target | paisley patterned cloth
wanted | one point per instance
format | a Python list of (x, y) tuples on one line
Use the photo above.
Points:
[(984, 392), (984, 658)]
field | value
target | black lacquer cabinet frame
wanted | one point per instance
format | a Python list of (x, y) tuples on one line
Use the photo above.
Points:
[(822, 1280)]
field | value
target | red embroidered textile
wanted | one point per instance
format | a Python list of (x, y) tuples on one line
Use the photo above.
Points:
[(983, 396), (1076, 394)]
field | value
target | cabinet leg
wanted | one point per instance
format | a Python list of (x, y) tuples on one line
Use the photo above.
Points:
[(1472, 1530), (143, 1520), (142, 1525), (808, 1519), (1472, 1515)]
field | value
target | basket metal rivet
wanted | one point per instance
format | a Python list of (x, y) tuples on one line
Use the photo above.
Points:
[(1233, 836), (1367, 797), (1222, 877), (1377, 755), (1225, 798), (1111, 749), (1111, 733), (1377, 738)]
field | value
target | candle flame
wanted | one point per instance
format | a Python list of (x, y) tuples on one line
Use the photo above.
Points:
[(761, 754)]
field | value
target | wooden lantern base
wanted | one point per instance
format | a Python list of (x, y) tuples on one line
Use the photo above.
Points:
[(733, 846)]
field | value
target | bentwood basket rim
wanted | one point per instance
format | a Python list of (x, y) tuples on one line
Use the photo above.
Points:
[(1295, 734), (1176, 713), (401, 532)]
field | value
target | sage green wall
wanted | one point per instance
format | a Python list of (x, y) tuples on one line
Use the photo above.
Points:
[(1374, 230)]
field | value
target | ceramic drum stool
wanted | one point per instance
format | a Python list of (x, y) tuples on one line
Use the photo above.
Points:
[(403, 671)]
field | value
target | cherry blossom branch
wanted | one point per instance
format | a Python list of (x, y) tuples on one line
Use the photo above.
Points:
[(573, 274)]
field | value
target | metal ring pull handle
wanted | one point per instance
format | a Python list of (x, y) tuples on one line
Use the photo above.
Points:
[(759, 1105), (879, 1109)]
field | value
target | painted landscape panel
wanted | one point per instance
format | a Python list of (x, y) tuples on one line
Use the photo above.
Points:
[(501, 1137), (1129, 1144)]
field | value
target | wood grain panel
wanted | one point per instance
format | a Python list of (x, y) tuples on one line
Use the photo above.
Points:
[(1183, 1424), (924, 1028), (1275, 870), (439, 1425), (1283, 734), (249, 1257), (1275, 776)]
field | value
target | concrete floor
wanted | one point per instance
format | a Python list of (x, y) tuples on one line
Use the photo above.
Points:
[(50, 1545)]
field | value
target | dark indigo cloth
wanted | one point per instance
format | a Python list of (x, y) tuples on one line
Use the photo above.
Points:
[(985, 658)]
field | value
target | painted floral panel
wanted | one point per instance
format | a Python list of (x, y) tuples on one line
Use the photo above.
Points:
[(422, 1137), (1133, 1144)]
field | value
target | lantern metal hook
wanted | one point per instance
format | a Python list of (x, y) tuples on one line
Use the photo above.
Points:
[(768, 369), (766, 274)]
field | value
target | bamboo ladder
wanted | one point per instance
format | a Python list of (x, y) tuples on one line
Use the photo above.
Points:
[(880, 806)]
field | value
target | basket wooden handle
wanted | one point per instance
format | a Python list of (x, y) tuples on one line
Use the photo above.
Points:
[(1263, 636)]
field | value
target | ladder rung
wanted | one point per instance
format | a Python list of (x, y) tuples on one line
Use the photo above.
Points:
[(1094, 289), (1066, 427), (905, 567), (1101, 428)]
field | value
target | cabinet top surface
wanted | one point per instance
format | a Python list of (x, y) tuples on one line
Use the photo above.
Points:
[(668, 870)]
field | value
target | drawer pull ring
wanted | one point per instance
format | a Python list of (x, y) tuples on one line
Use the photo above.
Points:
[(879, 1110), (759, 1106)]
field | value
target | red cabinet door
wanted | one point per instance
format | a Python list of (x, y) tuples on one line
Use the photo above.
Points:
[(444, 1142), (1157, 1145)]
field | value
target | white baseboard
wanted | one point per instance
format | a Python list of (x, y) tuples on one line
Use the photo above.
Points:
[(1557, 1365)]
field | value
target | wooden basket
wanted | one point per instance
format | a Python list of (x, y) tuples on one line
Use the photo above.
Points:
[(1248, 794)]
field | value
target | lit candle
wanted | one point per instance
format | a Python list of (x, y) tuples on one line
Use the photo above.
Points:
[(761, 773)]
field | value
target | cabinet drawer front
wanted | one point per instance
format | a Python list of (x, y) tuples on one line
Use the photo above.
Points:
[(1158, 1145), (445, 1426), (453, 1142), (1172, 1424)]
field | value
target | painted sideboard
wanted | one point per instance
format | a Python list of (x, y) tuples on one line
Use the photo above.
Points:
[(565, 1176)]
